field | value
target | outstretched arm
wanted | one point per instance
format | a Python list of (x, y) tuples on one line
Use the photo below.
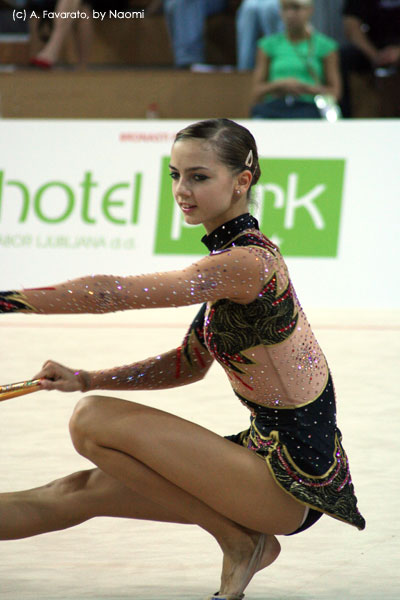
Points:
[(236, 274), (183, 365)]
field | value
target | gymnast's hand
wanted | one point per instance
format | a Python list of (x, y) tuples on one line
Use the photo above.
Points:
[(54, 376)]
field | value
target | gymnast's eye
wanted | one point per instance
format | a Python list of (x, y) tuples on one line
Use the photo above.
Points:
[(174, 175), (200, 177)]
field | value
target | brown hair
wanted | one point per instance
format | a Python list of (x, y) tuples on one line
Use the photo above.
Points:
[(232, 144)]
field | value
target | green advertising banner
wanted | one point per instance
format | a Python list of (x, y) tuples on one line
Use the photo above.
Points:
[(298, 203), (79, 197)]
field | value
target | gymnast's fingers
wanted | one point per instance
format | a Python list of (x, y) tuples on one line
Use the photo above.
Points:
[(49, 371), (54, 376)]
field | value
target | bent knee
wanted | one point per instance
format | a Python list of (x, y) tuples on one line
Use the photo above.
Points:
[(82, 425)]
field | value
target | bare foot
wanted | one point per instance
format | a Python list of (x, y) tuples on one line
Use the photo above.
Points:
[(241, 563)]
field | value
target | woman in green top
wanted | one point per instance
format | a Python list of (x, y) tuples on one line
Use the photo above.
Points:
[(294, 66)]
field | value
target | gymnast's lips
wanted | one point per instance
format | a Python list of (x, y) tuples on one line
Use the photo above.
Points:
[(187, 207)]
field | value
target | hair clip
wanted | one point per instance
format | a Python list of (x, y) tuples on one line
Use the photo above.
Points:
[(249, 159)]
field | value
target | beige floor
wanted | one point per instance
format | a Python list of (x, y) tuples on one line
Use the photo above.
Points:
[(118, 560)]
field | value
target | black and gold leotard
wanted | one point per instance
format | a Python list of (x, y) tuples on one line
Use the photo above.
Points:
[(279, 373)]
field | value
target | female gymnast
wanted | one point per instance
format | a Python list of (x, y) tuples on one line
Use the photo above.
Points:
[(277, 477)]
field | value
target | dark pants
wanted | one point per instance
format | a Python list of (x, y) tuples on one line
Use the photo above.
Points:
[(351, 60), (282, 109)]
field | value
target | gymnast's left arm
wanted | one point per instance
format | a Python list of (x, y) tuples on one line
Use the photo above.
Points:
[(180, 366), (237, 274)]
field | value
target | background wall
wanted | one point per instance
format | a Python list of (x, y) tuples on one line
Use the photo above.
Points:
[(80, 197)]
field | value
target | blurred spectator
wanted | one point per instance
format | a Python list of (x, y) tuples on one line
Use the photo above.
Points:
[(255, 19), (259, 18), (373, 29), (294, 66), (63, 27), (328, 18), (186, 21)]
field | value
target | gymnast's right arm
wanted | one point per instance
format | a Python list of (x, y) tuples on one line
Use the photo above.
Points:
[(237, 274), (183, 365)]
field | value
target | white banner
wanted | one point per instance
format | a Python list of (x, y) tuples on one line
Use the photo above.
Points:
[(79, 197)]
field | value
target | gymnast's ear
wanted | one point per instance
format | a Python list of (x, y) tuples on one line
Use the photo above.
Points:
[(244, 179)]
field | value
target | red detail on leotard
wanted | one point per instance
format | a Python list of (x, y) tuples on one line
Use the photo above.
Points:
[(8, 306), (44, 289), (242, 382), (282, 298), (178, 362), (292, 324)]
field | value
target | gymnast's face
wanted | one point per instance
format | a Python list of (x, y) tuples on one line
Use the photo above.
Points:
[(204, 188)]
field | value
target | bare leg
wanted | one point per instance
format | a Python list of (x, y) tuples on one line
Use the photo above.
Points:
[(71, 500), (200, 476), (81, 496), (84, 37), (62, 27)]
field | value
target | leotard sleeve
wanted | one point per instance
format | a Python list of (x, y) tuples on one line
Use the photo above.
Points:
[(181, 366), (236, 274)]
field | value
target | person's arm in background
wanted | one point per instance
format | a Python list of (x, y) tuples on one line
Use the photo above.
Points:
[(389, 55), (354, 33)]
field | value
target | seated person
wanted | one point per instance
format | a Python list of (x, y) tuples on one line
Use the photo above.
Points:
[(60, 31), (186, 21), (294, 66), (62, 28), (373, 29), (258, 18)]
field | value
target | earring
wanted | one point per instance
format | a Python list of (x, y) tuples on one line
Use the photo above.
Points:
[(238, 192)]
